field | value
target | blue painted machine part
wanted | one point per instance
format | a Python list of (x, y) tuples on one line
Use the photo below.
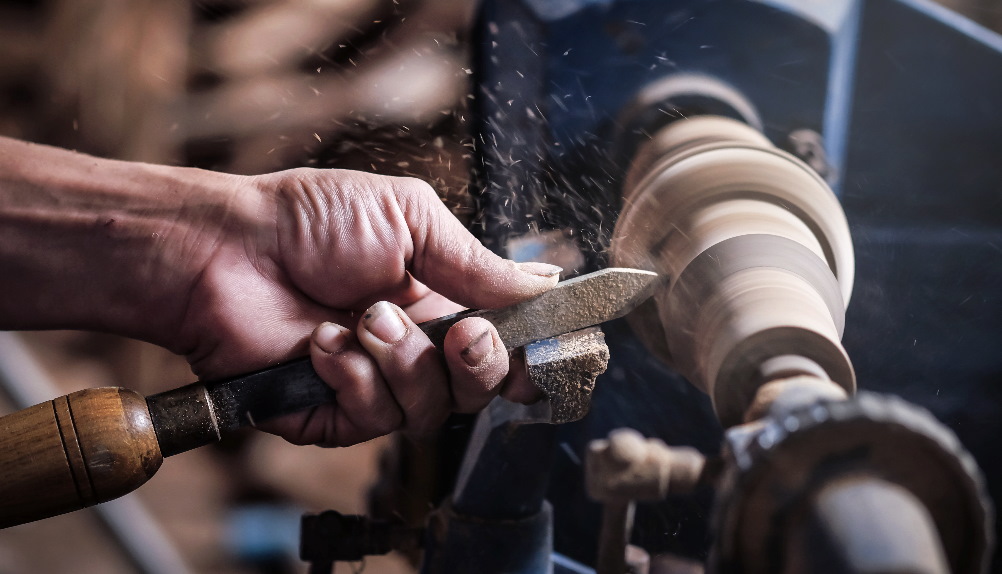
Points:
[(264, 532), (908, 100)]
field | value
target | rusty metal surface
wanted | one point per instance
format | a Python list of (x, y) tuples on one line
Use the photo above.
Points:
[(574, 304), (565, 369)]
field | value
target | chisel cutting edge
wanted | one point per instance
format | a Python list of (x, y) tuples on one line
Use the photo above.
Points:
[(98, 444)]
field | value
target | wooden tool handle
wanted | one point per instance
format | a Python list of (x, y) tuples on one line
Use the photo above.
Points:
[(75, 451)]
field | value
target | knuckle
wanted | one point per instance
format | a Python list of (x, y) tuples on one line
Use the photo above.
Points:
[(415, 197), (412, 187)]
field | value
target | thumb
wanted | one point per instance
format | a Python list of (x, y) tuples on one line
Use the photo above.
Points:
[(451, 261)]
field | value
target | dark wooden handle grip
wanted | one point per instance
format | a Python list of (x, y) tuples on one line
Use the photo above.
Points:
[(75, 451)]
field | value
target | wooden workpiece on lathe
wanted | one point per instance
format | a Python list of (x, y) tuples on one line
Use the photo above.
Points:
[(757, 254)]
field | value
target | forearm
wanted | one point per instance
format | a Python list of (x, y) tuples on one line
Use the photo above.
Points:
[(99, 244)]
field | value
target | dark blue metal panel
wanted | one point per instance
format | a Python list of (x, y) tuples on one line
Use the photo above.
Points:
[(923, 194)]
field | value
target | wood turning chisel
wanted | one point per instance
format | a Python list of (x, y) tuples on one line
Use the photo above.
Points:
[(98, 444)]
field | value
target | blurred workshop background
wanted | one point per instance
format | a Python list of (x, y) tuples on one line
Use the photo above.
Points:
[(242, 86)]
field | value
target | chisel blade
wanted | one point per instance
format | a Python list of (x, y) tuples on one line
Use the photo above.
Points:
[(574, 304)]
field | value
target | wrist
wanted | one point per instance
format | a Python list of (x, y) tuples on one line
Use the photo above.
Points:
[(101, 244)]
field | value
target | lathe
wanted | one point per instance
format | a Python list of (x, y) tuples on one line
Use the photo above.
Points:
[(774, 160)]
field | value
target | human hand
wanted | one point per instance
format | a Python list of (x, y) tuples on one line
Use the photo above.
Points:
[(366, 257), (236, 272)]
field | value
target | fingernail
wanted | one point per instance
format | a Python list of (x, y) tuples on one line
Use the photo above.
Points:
[(383, 321), (539, 268), (478, 349), (330, 338)]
